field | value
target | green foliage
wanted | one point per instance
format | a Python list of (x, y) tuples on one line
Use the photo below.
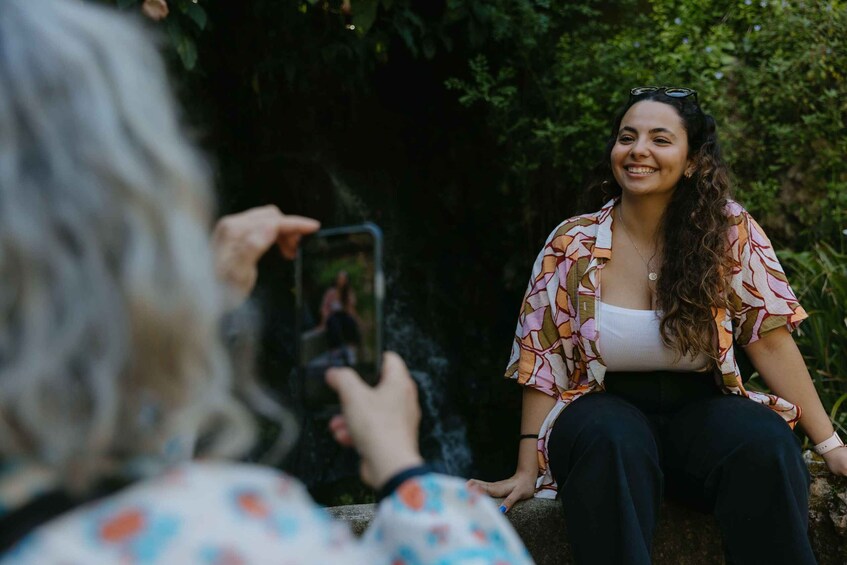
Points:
[(296, 107), (364, 32), (187, 18), (772, 73), (819, 277), (548, 76)]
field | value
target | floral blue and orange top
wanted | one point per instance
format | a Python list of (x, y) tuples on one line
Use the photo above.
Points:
[(555, 349), (235, 514)]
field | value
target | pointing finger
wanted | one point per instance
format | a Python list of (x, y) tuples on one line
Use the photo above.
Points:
[(297, 224)]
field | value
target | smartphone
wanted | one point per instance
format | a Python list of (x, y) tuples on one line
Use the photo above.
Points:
[(339, 293)]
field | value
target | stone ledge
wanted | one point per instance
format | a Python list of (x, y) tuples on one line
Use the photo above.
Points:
[(683, 537)]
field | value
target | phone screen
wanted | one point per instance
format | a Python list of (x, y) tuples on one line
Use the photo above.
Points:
[(339, 296)]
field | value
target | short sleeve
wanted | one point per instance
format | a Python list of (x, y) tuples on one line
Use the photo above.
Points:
[(538, 350), (763, 300), (437, 519)]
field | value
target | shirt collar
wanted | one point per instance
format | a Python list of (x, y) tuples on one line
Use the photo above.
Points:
[(603, 243)]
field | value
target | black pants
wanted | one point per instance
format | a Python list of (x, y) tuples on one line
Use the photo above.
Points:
[(614, 455), (342, 329)]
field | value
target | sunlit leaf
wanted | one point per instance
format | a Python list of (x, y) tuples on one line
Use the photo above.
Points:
[(364, 14), (187, 52), (198, 14)]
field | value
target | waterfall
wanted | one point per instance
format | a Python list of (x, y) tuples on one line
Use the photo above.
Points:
[(443, 437)]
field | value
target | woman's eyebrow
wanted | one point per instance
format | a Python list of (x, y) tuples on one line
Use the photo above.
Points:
[(663, 130), (652, 131)]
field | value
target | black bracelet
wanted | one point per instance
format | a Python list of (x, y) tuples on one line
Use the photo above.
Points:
[(529, 436), (394, 482)]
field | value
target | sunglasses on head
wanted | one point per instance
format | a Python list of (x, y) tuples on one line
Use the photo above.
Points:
[(672, 91)]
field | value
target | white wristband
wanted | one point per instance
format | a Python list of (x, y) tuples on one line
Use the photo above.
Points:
[(828, 444)]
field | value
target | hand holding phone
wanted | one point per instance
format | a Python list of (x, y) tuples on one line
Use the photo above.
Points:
[(380, 422), (339, 287)]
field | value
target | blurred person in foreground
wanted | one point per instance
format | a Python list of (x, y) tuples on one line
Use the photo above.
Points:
[(116, 409)]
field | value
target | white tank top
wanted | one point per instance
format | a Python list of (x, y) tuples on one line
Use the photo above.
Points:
[(630, 340)]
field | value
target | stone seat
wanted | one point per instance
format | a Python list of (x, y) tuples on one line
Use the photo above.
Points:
[(683, 537)]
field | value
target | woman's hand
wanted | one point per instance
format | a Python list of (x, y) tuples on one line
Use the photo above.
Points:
[(535, 407), (240, 240), (518, 487), (836, 460), (380, 422)]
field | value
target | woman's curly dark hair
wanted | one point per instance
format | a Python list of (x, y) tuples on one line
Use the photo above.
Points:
[(692, 281)]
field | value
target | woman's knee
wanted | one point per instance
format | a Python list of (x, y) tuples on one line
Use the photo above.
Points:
[(719, 425), (761, 442), (772, 449)]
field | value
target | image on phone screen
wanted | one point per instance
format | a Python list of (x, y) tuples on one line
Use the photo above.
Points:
[(339, 294)]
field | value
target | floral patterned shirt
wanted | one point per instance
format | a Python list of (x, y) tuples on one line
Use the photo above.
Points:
[(235, 514), (555, 347)]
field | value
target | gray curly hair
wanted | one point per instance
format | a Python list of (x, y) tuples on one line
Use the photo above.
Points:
[(110, 358)]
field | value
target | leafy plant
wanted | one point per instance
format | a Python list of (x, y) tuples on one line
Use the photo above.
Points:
[(771, 72), (186, 20)]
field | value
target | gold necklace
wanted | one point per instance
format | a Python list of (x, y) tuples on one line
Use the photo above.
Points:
[(651, 274)]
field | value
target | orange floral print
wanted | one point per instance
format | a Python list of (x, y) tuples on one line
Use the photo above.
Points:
[(123, 526), (412, 495)]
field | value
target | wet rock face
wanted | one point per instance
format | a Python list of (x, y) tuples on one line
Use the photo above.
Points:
[(827, 514), (684, 536)]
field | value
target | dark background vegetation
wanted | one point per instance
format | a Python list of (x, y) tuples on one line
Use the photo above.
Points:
[(465, 129)]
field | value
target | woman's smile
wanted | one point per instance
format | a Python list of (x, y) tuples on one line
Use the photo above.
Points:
[(639, 171)]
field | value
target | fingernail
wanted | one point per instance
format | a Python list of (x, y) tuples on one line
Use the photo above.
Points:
[(503, 509)]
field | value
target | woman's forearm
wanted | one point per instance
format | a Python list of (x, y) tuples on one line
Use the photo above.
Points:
[(535, 407), (781, 366)]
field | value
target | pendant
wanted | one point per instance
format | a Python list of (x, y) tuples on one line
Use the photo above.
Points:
[(652, 276)]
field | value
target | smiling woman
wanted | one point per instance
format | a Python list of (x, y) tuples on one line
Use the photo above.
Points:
[(651, 150), (665, 166), (645, 300)]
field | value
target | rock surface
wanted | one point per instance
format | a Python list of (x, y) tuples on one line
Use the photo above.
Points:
[(683, 537)]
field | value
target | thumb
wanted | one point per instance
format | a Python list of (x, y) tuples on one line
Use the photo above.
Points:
[(346, 382), (394, 373)]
